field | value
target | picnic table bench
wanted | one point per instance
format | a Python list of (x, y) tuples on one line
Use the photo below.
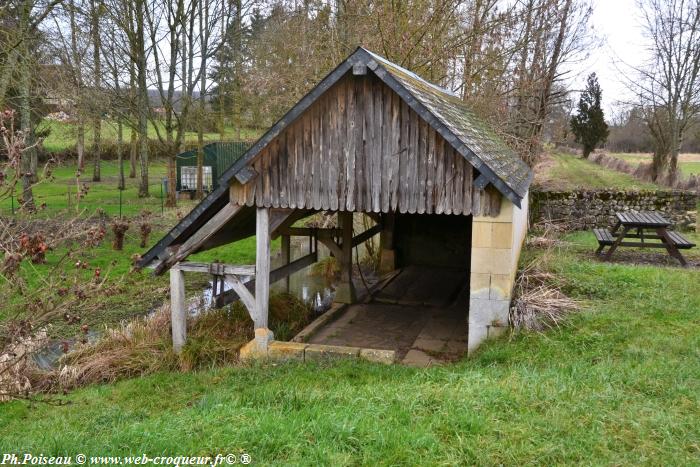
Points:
[(642, 226)]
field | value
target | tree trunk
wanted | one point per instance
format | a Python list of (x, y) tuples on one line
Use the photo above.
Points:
[(222, 111), (25, 115), (77, 74), (202, 106), (171, 200), (238, 52), (121, 184), (143, 99), (6, 75), (80, 143), (133, 143), (133, 151), (97, 118)]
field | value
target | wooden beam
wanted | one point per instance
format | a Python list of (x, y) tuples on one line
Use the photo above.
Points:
[(309, 232), (375, 216), (246, 174), (481, 182), (359, 69), (286, 253), (345, 292), (387, 255), (243, 293), (366, 235), (296, 265), (262, 267), (288, 221), (231, 296), (218, 269), (331, 245), (200, 236), (178, 313)]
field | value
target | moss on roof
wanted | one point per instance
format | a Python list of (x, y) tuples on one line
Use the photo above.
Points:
[(472, 131)]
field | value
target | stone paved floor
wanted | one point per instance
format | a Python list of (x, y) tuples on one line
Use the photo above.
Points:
[(421, 334)]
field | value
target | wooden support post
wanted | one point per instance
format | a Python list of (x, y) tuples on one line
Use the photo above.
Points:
[(286, 253), (345, 293), (262, 278), (387, 254), (178, 313)]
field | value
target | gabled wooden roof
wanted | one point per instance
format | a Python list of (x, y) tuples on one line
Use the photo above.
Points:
[(439, 108), (479, 144)]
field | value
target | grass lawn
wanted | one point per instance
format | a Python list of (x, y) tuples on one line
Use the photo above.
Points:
[(617, 385), (136, 292), (689, 164), (59, 193), (568, 172), (63, 135)]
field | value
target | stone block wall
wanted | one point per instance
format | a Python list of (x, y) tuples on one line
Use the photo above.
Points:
[(585, 209), (496, 245)]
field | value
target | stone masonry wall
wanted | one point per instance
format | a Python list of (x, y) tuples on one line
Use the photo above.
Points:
[(585, 209), (496, 245)]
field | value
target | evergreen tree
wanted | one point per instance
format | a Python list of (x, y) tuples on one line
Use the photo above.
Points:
[(588, 125)]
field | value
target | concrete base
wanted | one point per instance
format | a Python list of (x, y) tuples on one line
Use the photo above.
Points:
[(258, 347), (488, 318), (251, 351), (282, 351), (328, 352), (302, 352), (263, 336)]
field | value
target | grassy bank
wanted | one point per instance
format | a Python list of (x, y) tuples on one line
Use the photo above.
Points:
[(133, 292), (568, 172), (63, 135), (617, 385), (57, 194), (688, 164)]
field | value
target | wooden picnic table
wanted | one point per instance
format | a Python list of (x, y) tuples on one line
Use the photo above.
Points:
[(643, 226)]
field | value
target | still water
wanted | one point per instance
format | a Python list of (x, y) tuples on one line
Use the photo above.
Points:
[(314, 289)]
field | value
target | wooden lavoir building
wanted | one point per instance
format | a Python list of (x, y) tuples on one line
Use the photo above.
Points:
[(370, 138)]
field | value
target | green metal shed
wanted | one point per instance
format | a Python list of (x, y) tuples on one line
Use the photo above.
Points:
[(218, 157)]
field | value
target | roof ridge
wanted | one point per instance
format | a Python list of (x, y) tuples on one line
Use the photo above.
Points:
[(411, 73)]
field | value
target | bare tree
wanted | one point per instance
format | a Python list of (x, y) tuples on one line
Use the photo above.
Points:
[(29, 16), (96, 39), (668, 85)]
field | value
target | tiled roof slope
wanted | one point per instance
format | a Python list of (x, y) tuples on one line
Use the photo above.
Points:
[(452, 112)]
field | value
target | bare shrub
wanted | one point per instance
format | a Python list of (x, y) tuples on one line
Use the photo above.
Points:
[(539, 302), (16, 364), (144, 231), (119, 229), (143, 346)]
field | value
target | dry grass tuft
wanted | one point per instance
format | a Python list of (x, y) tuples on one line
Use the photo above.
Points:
[(143, 346), (16, 365), (539, 302), (549, 231)]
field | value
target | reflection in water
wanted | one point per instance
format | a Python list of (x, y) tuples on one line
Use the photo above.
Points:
[(47, 357), (316, 291)]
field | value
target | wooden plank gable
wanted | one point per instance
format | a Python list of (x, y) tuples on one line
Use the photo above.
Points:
[(360, 147)]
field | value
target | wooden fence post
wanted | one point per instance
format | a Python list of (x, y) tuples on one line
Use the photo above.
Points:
[(262, 277), (345, 292), (178, 315)]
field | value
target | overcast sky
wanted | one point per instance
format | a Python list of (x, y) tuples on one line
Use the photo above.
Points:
[(617, 23)]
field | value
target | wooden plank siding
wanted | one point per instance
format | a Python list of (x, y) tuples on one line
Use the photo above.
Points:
[(361, 148)]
